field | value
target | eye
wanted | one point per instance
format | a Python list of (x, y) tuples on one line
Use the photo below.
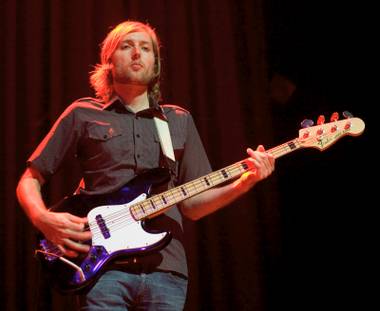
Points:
[(145, 48), (125, 46)]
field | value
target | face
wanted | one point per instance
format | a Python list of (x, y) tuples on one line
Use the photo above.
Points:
[(133, 59)]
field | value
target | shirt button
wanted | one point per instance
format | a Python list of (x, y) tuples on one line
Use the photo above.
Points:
[(138, 135), (138, 156)]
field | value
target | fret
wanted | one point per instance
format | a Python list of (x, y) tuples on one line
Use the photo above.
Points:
[(152, 204), (244, 166), (136, 212), (178, 195), (148, 207), (183, 191), (163, 199), (292, 145)]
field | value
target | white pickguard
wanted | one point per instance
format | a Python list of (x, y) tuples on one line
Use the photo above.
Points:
[(125, 232)]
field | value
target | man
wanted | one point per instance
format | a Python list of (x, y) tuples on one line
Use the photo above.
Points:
[(115, 138)]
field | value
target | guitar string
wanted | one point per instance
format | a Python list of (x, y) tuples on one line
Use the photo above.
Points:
[(114, 217), (168, 195), (171, 198), (175, 195)]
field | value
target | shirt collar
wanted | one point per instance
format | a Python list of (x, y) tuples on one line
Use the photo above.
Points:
[(117, 104)]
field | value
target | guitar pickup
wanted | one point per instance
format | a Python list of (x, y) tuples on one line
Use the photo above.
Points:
[(103, 227)]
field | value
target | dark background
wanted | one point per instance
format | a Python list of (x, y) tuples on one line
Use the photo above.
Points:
[(250, 72)]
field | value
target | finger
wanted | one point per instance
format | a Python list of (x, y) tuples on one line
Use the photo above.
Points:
[(260, 148), (67, 252), (262, 161), (249, 150), (256, 165), (266, 157), (259, 153), (263, 167), (267, 164), (80, 236), (75, 223), (76, 219), (75, 246)]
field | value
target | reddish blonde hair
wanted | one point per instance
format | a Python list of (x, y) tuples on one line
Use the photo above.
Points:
[(101, 77)]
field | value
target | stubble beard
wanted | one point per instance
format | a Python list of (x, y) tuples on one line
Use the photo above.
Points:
[(135, 78)]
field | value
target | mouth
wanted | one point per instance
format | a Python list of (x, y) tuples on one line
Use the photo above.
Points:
[(136, 66)]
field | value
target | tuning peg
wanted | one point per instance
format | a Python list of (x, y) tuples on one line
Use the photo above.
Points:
[(307, 123), (347, 114), (334, 117), (321, 119)]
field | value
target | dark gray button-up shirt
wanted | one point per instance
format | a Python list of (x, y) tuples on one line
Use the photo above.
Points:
[(113, 145)]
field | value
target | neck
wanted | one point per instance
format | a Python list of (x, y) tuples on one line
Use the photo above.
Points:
[(134, 96)]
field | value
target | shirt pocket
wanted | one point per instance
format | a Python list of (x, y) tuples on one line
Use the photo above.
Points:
[(103, 131), (104, 145)]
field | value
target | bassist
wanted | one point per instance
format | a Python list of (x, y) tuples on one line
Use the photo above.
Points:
[(114, 137)]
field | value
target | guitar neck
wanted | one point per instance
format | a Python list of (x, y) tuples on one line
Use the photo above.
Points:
[(157, 204)]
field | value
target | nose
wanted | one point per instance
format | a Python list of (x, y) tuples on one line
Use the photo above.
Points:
[(135, 53)]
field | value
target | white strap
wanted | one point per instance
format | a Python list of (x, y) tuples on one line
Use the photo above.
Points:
[(164, 137)]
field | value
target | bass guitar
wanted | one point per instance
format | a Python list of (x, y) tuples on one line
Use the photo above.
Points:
[(117, 221)]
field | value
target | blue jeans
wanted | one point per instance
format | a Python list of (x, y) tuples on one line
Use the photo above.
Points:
[(119, 290)]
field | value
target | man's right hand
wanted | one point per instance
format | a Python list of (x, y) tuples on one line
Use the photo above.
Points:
[(64, 230)]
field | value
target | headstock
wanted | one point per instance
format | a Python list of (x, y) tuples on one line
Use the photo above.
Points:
[(323, 135)]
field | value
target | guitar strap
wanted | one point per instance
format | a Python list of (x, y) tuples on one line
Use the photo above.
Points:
[(163, 132), (167, 156)]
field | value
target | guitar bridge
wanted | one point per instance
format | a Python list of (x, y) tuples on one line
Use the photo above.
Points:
[(49, 250), (51, 253)]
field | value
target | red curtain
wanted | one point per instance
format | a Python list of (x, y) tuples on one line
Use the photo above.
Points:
[(256, 254), (213, 64)]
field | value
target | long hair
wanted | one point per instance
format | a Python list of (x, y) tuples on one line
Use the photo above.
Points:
[(101, 78)]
